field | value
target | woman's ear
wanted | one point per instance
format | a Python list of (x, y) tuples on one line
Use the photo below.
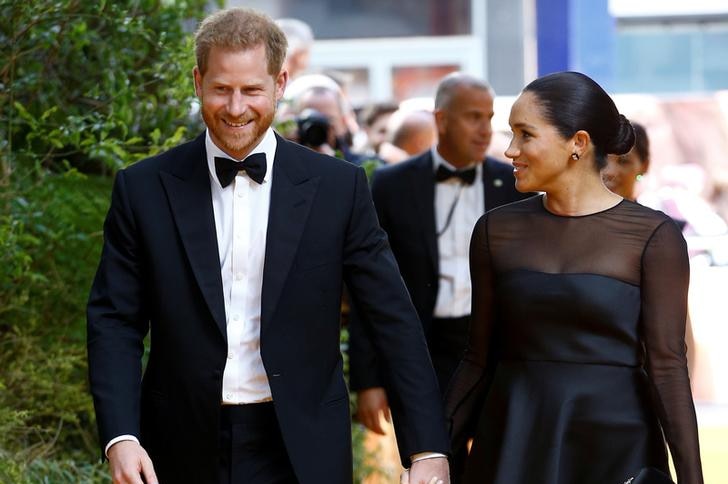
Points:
[(581, 140)]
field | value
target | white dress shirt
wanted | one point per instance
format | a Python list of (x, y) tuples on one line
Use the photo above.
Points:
[(453, 244), (241, 224)]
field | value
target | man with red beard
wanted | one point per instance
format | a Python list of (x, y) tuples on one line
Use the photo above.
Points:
[(232, 250)]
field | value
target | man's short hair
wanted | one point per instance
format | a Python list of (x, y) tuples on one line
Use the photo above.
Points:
[(451, 82), (240, 28)]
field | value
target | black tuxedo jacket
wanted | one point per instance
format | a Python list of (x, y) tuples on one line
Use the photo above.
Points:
[(160, 269), (404, 197)]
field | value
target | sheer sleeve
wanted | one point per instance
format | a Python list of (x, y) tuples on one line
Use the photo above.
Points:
[(665, 276), (469, 383)]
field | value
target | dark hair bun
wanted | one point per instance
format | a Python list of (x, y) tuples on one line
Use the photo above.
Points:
[(623, 140)]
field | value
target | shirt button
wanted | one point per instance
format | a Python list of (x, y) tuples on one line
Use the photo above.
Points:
[(230, 356), (240, 194), (239, 276), (228, 396), (236, 317)]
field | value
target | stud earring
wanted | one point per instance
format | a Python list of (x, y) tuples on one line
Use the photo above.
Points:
[(574, 156), (639, 177)]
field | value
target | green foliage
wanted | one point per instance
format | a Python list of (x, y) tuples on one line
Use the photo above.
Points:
[(50, 239), (96, 85), (370, 165), (85, 88), (52, 471)]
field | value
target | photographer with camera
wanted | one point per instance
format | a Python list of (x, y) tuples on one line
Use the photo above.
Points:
[(319, 96), (314, 131)]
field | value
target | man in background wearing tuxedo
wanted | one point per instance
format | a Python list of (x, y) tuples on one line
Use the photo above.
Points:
[(428, 205)]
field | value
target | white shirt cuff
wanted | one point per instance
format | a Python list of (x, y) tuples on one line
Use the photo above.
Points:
[(425, 455), (118, 439)]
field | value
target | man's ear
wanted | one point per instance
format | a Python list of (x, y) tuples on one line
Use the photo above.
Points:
[(440, 121), (281, 82), (197, 78)]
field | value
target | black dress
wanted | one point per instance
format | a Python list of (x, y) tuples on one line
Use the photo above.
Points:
[(576, 363)]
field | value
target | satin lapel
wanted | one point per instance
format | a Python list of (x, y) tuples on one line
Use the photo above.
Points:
[(423, 188), (188, 192), (291, 197)]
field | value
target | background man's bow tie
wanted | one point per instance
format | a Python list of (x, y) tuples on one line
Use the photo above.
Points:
[(466, 176), (254, 165)]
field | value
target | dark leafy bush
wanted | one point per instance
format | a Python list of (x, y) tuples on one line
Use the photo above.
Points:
[(85, 88)]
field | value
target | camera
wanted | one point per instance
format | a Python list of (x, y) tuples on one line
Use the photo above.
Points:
[(313, 128)]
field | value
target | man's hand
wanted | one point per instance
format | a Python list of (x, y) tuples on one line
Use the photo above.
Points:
[(427, 471), (128, 462), (371, 404)]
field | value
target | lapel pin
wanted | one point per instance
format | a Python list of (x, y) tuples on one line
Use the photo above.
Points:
[(497, 183)]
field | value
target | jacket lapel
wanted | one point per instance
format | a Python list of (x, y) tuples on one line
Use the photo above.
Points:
[(494, 186), (423, 187), (188, 191), (291, 197)]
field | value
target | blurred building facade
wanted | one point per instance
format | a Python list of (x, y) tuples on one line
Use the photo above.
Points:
[(397, 50)]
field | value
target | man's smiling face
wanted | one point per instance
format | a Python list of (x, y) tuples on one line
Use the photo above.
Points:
[(238, 97)]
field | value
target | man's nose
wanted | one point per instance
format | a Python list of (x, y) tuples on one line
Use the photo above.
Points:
[(236, 104)]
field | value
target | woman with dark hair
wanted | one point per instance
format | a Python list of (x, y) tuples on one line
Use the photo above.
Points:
[(624, 171), (576, 361)]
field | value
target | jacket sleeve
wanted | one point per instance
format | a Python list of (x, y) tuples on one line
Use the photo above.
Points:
[(117, 322), (378, 291), (364, 365)]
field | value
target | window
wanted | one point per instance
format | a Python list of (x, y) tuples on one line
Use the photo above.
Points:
[(345, 19), (672, 58)]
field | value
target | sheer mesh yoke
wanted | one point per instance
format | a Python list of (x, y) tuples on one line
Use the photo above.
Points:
[(579, 321)]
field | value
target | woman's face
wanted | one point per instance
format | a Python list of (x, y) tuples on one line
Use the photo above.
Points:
[(620, 174), (539, 153)]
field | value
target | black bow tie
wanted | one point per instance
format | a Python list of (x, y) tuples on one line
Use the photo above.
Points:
[(466, 176), (254, 165)]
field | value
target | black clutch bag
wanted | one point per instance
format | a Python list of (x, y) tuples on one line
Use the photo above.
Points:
[(649, 475)]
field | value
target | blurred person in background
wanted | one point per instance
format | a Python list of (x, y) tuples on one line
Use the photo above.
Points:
[(679, 197), (428, 205), (344, 80), (576, 366), (409, 133), (322, 95), (623, 172), (300, 40), (374, 119)]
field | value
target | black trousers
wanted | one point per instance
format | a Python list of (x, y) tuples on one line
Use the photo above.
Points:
[(251, 446), (447, 340)]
